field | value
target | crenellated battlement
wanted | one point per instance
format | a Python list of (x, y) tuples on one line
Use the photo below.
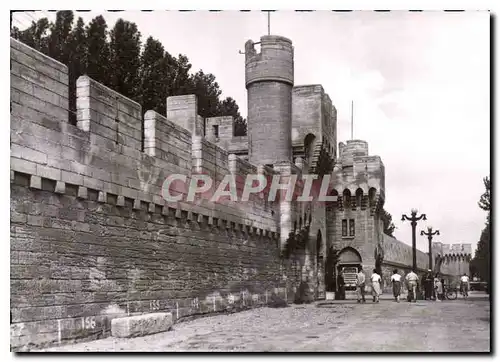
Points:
[(439, 248), (314, 128), (93, 236), (452, 259), (108, 244), (102, 154), (358, 176)]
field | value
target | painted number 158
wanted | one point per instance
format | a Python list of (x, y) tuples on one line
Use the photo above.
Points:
[(88, 322)]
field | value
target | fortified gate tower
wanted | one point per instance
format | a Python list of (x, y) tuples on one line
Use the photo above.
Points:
[(292, 130)]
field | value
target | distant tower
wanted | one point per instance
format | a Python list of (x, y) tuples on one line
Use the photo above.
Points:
[(269, 83)]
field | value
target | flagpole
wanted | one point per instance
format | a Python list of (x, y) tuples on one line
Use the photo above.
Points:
[(352, 120), (268, 23)]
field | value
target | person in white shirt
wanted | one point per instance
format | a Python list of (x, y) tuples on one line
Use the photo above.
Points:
[(376, 289), (439, 288), (396, 284), (412, 280), (464, 285), (360, 285)]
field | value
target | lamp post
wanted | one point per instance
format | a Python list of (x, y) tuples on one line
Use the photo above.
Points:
[(414, 220), (430, 234)]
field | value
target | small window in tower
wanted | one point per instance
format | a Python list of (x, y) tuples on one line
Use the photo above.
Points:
[(216, 130), (344, 227), (351, 227)]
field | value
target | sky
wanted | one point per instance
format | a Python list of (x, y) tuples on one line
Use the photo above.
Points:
[(420, 83)]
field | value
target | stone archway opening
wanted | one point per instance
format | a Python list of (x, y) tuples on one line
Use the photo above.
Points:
[(346, 262), (349, 262)]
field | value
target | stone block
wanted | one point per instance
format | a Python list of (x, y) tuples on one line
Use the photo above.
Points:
[(137, 204), (92, 183), (60, 187), (48, 172), (22, 166), (72, 178), (120, 200), (151, 207), (36, 182), (141, 325), (82, 192), (101, 196)]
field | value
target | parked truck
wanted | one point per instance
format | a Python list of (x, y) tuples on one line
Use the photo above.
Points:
[(349, 274)]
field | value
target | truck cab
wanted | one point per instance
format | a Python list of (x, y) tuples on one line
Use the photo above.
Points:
[(349, 274)]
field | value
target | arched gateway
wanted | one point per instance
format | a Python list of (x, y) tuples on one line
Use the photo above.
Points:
[(346, 261), (349, 261)]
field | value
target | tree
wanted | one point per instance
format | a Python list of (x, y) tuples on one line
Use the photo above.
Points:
[(182, 81), (388, 224), (114, 59), (77, 63), (35, 36), (124, 58), (207, 90), (482, 258), (154, 77), (481, 262), (78, 49), (59, 46), (228, 107), (484, 201), (97, 59)]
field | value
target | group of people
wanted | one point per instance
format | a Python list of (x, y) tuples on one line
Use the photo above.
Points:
[(375, 279), (433, 285)]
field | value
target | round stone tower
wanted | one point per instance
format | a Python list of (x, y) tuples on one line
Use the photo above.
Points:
[(269, 83)]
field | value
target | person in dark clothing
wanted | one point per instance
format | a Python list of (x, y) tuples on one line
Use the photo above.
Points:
[(341, 286), (396, 284), (428, 285)]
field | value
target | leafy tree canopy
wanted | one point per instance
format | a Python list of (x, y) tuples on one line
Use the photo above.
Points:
[(117, 58)]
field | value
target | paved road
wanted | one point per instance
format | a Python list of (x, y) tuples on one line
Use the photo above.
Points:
[(325, 326)]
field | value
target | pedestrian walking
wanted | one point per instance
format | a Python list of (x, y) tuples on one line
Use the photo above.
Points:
[(428, 283), (376, 289), (439, 288), (412, 280), (396, 284), (464, 285), (360, 285)]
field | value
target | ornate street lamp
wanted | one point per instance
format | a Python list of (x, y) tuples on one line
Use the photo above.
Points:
[(414, 220), (429, 234)]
